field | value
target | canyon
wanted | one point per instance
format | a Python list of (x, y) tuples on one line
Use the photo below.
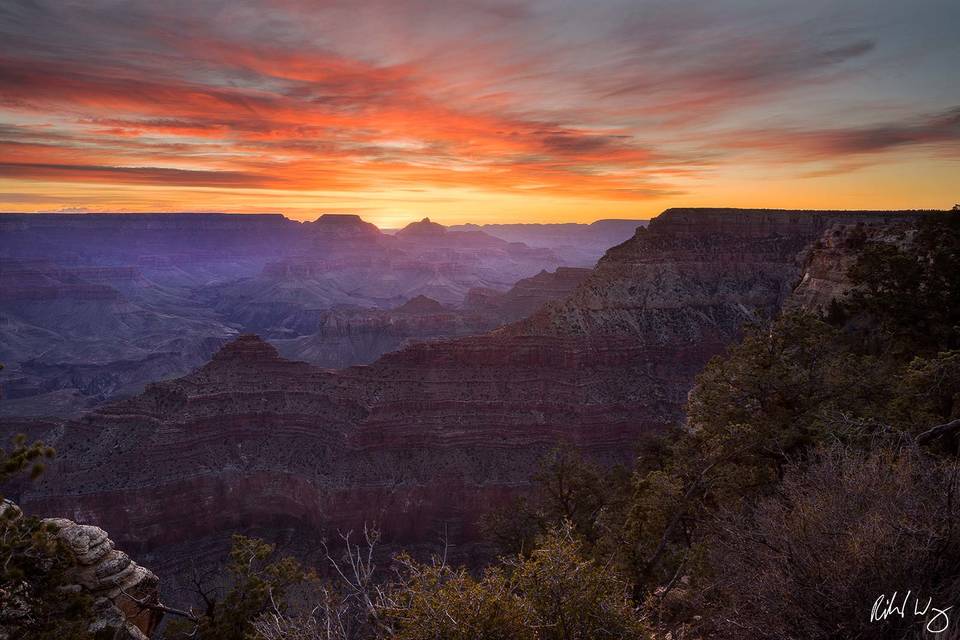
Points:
[(345, 337), (96, 306), (580, 244), (426, 439)]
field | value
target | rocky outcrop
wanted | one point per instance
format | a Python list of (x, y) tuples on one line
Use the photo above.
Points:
[(343, 338), (423, 229), (340, 226), (420, 305), (580, 245), (118, 586), (826, 269), (527, 295), (429, 437)]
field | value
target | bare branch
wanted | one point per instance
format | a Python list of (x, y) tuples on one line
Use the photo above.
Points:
[(157, 606), (939, 430)]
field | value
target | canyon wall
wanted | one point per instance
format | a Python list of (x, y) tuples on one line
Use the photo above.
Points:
[(428, 438), (581, 245), (95, 306)]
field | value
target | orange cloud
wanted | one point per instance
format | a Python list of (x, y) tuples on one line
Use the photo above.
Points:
[(599, 112)]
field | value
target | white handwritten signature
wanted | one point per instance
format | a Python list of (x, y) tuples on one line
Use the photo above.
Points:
[(887, 607)]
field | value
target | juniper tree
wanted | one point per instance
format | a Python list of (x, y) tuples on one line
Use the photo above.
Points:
[(36, 600)]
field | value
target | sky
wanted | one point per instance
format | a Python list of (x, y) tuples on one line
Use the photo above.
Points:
[(478, 110)]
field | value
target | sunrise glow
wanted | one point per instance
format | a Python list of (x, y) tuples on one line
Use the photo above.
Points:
[(480, 111)]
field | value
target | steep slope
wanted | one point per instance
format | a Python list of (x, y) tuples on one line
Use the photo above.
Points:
[(96, 306), (431, 436), (825, 272), (527, 295), (345, 337), (579, 245), (71, 337)]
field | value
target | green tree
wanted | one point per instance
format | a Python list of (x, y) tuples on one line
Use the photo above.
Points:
[(435, 601), (259, 583), (568, 595), (570, 489), (36, 601), (879, 370), (907, 292)]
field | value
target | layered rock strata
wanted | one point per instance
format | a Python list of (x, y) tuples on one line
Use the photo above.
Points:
[(430, 437), (118, 586)]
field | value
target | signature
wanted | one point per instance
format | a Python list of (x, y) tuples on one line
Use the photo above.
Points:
[(896, 606)]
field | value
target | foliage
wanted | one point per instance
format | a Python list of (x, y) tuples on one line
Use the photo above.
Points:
[(36, 600), (22, 457), (259, 584), (874, 374), (571, 490), (908, 294), (555, 593), (436, 601), (569, 595), (811, 560)]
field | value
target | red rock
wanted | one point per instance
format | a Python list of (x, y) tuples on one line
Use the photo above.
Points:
[(438, 432)]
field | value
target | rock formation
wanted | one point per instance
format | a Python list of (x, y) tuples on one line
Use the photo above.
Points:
[(346, 337), (429, 437), (98, 305), (527, 295), (825, 270), (332, 229), (118, 586), (423, 229), (580, 245)]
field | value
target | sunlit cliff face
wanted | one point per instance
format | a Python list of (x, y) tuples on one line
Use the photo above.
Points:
[(484, 111)]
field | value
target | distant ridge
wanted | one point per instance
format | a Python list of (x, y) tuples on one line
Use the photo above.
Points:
[(766, 221), (439, 431)]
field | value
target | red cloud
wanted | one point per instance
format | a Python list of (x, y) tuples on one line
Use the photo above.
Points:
[(490, 96)]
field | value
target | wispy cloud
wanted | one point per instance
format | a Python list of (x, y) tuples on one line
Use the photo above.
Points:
[(128, 175), (851, 146), (608, 102)]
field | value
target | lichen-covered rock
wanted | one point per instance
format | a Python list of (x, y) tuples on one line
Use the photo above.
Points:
[(117, 584)]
